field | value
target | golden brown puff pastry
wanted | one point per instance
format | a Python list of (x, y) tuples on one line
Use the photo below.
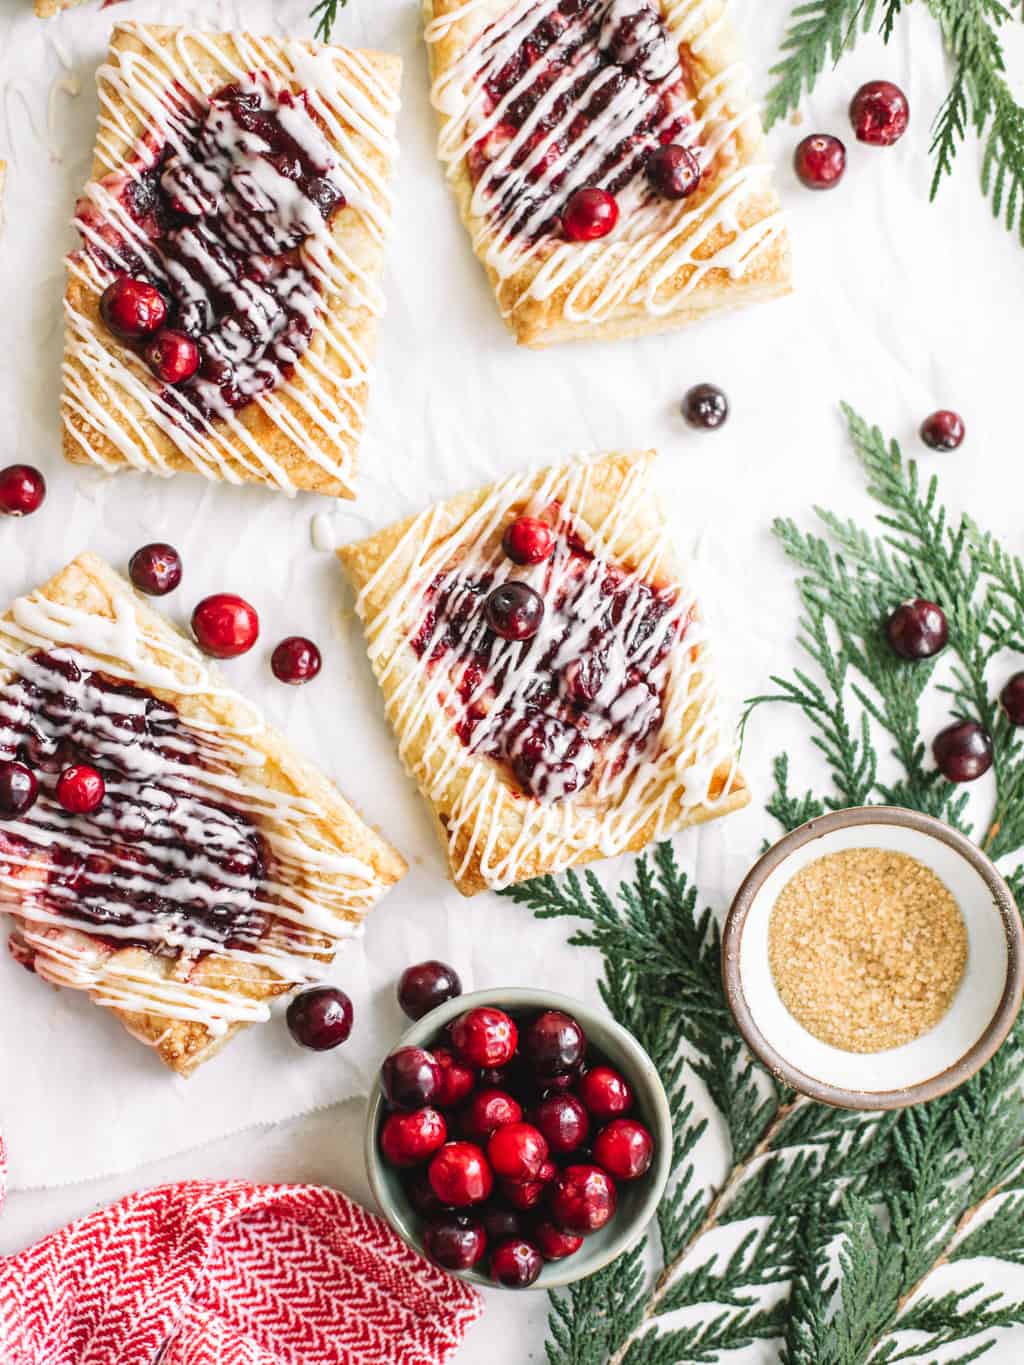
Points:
[(262, 216), (540, 98), (219, 870), (552, 711), (46, 9)]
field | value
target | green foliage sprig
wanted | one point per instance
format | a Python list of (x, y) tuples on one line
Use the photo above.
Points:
[(325, 13)]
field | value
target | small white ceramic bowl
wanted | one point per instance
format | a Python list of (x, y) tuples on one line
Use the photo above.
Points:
[(977, 1021)]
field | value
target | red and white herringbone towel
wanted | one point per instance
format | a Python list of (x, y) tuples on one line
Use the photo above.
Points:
[(226, 1273)]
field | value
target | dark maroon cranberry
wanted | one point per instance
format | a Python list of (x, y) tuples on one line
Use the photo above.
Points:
[(625, 1149), (295, 660), (963, 751), (528, 540), (517, 1151), (705, 406), (421, 1193), (485, 1037), (460, 1175), (1012, 698), (410, 1078), (487, 1111), (132, 309), (563, 1121), (81, 789), (516, 1263), (155, 569), (673, 171), (514, 611), (554, 1043), (943, 430), (588, 214), (605, 1093), (457, 1080), (917, 629), (18, 789), (819, 161), (22, 490), (426, 985), (320, 1018), (225, 625), (501, 1223), (494, 1077), (554, 1244), (523, 1194), (558, 1085), (582, 1199), (409, 1139), (879, 113), (172, 356), (455, 1242)]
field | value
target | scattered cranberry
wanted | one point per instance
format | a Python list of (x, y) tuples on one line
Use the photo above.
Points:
[(80, 789), (624, 1149), (320, 1018), (943, 430), (563, 1121), (554, 1043), (455, 1242), (225, 625), (488, 1111), (605, 1093), (295, 660), (425, 986), (18, 789), (132, 308), (554, 1244), (582, 1199), (673, 171), (409, 1139), (516, 1263), (22, 490), (410, 1077), (879, 113), (705, 406), (819, 161), (528, 540), (523, 1194), (917, 629), (517, 1151), (589, 214), (457, 1081), (514, 611), (485, 1037), (500, 1223), (172, 356), (155, 569), (1012, 698), (963, 751), (460, 1175)]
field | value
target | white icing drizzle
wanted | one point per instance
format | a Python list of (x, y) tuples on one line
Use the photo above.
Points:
[(625, 797), (147, 89)]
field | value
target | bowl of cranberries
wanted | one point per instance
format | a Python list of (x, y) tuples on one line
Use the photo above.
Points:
[(518, 1138)]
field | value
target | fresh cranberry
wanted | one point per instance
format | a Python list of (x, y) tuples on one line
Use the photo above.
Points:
[(461, 1175), (554, 1043), (819, 161), (22, 490), (421, 1194), (487, 1111), (917, 629), (320, 1018), (879, 113), (554, 1244), (673, 171), (155, 569), (485, 1037), (605, 1093), (225, 625), (172, 356), (523, 1194), (514, 611), (563, 1121), (501, 1223), (705, 406), (80, 789), (132, 308), (516, 1263), (295, 660), (624, 1149), (943, 430), (455, 1242), (963, 751), (528, 540), (410, 1077), (582, 1199), (456, 1080), (558, 1085), (1012, 698), (426, 985), (18, 789), (408, 1139), (589, 214), (517, 1151)]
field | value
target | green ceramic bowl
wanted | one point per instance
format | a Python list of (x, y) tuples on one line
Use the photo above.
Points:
[(638, 1199)]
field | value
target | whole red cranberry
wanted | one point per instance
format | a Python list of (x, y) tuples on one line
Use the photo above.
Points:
[(460, 1174), (943, 430), (426, 985), (819, 161), (295, 660), (625, 1149), (501, 1223), (172, 356), (516, 1263), (456, 1080), (22, 490), (879, 113), (487, 1111), (18, 789), (917, 629), (1011, 697), (589, 213), (155, 569), (320, 1018), (963, 751), (517, 1151), (485, 1037), (81, 789), (554, 1043), (528, 540), (553, 1243), (410, 1138), (705, 406), (672, 171), (132, 309), (455, 1242), (410, 1078), (605, 1093), (563, 1121), (582, 1199), (514, 611), (225, 625), (523, 1194)]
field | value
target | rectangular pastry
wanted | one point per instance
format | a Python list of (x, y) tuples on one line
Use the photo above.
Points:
[(218, 870), (545, 670), (234, 229), (607, 162)]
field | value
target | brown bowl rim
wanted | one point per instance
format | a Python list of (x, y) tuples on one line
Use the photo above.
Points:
[(980, 1051)]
